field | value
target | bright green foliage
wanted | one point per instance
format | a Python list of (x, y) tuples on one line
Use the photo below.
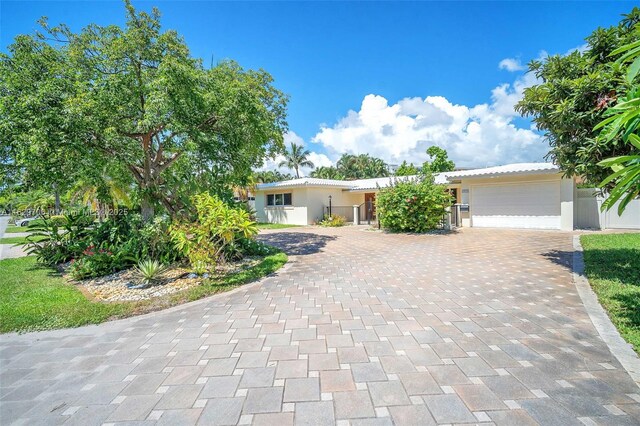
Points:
[(296, 157), (150, 270), (406, 169), (361, 166), (623, 122), (333, 221), (439, 161), (276, 225), (133, 100), (33, 297), (327, 172), (268, 176), (17, 240), (53, 241), (412, 205), (216, 228), (572, 97), (611, 265), (350, 167), (100, 248)]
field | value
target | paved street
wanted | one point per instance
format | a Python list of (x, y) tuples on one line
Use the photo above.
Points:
[(360, 328), (9, 251)]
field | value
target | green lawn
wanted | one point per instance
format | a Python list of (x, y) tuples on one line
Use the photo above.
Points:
[(612, 264), (17, 240), (12, 229), (13, 240), (276, 226), (36, 298)]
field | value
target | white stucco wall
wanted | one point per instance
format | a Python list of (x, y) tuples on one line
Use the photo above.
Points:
[(308, 204), (296, 214), (588, 214), (318, 199)]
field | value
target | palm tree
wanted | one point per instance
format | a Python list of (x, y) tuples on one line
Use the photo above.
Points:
[(295, 158)]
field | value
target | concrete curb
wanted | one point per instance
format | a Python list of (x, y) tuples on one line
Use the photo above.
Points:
[(622, 350)]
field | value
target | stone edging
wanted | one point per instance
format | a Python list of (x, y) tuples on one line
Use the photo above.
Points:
[(622, 350)]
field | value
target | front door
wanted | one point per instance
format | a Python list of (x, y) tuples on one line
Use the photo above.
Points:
[(370, 205)]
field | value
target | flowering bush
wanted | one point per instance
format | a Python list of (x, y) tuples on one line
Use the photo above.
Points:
[(412, 205), (333, 221), (94, 263)]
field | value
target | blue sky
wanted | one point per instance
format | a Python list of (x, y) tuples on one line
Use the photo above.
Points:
[(385, 78)]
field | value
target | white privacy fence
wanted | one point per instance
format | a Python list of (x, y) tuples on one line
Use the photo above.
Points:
[(588, 214)]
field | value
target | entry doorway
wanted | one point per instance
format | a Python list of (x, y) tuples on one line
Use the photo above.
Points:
[(369, 207)]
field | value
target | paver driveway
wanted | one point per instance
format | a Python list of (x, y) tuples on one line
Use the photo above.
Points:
[(360, 328)]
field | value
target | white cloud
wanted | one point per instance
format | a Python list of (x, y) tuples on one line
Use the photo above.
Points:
[(511, 64), (474, 136)]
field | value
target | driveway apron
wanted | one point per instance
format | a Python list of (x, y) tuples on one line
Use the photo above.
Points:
[(361, 327)]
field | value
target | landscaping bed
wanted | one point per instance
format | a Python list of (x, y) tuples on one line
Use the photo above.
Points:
[(612, 266), (34, 297), (125, 285)]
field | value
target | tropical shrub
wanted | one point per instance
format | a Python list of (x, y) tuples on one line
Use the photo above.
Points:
[(623, 122), (412, 205), (215, 233), (53, 241), (96, 262), (134, 239), (333, 221)]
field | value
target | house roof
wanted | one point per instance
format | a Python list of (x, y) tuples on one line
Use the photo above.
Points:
[(509, 169), (440, 178), (306, 181)]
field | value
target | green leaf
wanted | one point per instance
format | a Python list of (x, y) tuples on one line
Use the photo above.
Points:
[(633, 70), (634, 140), (625, 48)]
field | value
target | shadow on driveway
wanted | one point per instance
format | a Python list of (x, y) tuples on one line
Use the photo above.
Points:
[(560, 257), (297, 243)]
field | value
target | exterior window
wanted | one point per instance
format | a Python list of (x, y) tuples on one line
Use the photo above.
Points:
[(283, 199)]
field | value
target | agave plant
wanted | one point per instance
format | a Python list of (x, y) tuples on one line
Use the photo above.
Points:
[(149, 270)]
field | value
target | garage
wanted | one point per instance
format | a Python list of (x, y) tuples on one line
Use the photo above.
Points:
[(534, 205)]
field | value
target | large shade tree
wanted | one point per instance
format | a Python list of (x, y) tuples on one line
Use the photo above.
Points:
[(133, 98), (573, 95)]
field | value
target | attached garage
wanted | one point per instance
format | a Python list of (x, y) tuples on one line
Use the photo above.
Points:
[(533, 205), (526, 195)]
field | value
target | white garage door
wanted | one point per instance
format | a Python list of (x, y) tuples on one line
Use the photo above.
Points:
[(521, 205)]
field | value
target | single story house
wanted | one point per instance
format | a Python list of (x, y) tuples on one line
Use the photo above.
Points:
[(523, 195)]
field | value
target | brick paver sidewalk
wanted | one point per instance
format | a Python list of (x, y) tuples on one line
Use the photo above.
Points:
[(360, 328)]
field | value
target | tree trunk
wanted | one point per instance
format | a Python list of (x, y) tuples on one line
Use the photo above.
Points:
[(57, 199), (147, 210)]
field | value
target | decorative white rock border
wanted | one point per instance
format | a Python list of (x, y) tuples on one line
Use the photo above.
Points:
[(622, 350)]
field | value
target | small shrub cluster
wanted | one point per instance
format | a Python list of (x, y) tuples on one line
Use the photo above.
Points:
[(58, 240), (412, 205), (217, 233), (97, 249), (333, 221)]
